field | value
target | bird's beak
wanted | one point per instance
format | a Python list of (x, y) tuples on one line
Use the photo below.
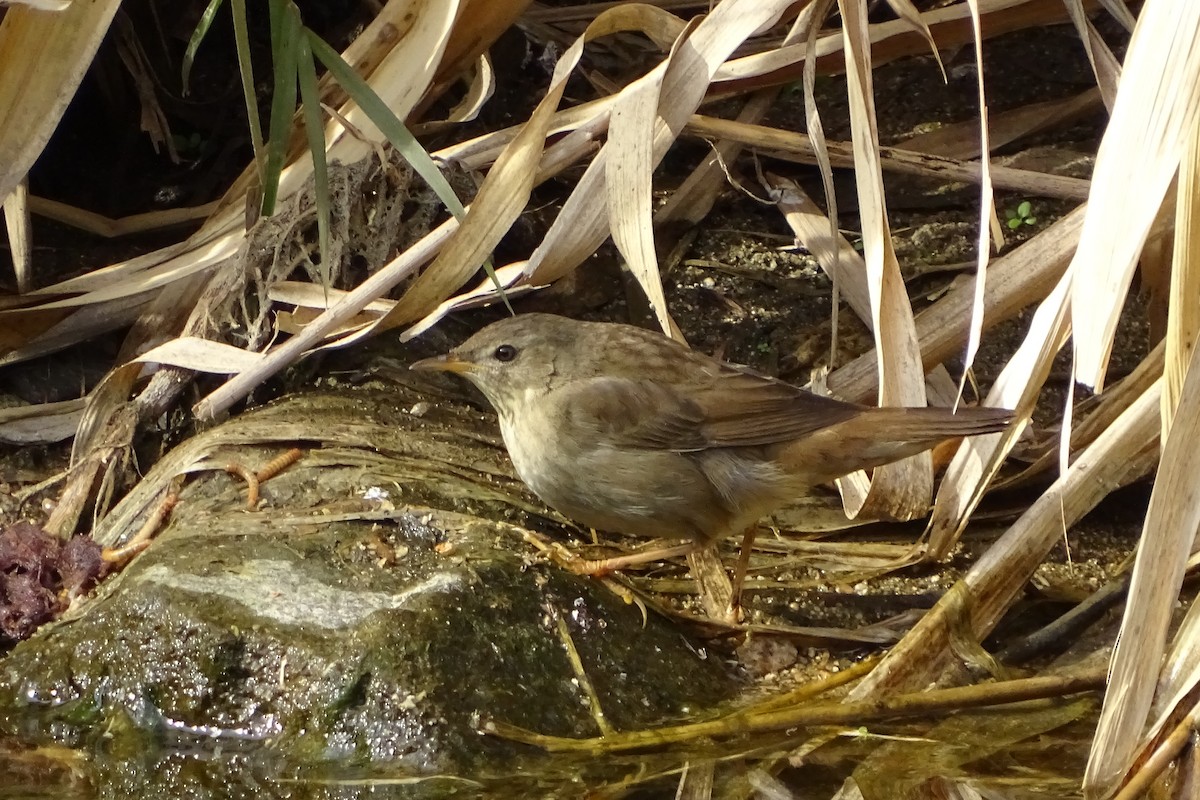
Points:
[(446, 363)]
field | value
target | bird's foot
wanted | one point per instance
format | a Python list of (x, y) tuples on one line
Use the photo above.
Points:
[(602, 566)]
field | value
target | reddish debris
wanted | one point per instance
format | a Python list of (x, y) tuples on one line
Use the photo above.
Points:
[(39, 574)]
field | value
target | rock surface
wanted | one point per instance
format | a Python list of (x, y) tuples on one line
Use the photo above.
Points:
[(339, 624)]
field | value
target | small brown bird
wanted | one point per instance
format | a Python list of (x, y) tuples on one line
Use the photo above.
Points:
[(626, 430)]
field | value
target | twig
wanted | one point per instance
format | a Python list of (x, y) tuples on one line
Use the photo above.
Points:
[(743, 564), (791, 146), (1062, 631), (346, 307), (1161, 758), (817, 688), (585, 683), (848, 713)]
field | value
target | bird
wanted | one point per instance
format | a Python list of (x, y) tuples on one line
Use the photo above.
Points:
[(625, 430)]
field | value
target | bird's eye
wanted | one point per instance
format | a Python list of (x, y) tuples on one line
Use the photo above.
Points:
[(505, 352)]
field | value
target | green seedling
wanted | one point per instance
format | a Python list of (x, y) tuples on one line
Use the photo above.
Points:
[(1021, 215)]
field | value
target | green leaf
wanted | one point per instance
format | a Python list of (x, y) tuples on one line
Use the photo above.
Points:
[(314, 128), (189, 56), (241, 38), (285, 34), (387, 122), (393, 128)]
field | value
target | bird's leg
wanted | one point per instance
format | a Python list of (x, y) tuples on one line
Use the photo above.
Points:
[(602, 566), (716, 594), (743, 564), (712, 584)]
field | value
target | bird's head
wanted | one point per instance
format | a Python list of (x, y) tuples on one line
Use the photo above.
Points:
[(511, 359)]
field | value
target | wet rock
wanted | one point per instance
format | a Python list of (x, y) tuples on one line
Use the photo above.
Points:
[(338, 624)]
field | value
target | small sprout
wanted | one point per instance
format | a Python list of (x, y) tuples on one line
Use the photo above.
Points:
[(1021, 215), (188, 145)]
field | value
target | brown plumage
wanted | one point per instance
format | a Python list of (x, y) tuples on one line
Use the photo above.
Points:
[(626, 430)]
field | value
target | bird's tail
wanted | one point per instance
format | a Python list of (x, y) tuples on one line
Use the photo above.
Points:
[(882, 435)]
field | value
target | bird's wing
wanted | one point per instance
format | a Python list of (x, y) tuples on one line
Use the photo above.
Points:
[(729, 409), (742, 408)]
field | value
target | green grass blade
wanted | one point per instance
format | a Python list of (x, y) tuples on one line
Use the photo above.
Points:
[(241, 39), (387, 122), (395, 131), (285, 34), (314, 128), (189, 56)]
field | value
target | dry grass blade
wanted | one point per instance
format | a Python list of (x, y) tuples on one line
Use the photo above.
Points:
[(1125, 452), (576, 145), (854, 712), (1172, 520), (630, 169), (201, 355), (1180, 676), (1183, 318), (906, 11), (791, 146), (962, 140), (836, 255), (1015, 280), (43, 57), (1017, 387), (38, 333), (477, 153), (475, 29), (1167, 752), (950, 25), (505, 191), (1104, 64), (987, 207), (310, 300), (900, 490), (16, 221), (40, 424), (161, 268), (1120, 12), (110, 228), (482, 87), (582, 224), (810, 22), (1156, 108), (113, 273)]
